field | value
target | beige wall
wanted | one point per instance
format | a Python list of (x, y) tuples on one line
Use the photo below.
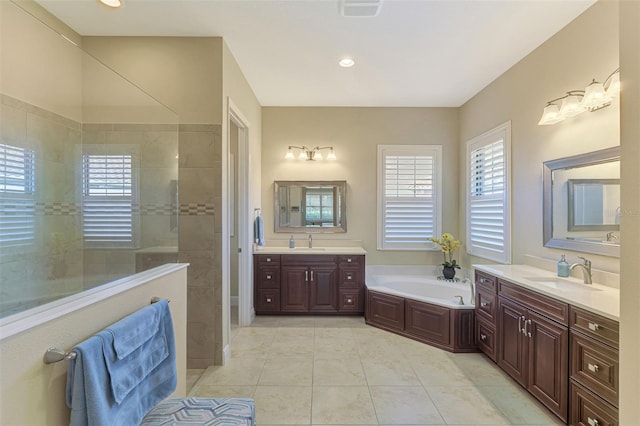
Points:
[(33, 393), (630, 267), (567, 61), (355, 134)]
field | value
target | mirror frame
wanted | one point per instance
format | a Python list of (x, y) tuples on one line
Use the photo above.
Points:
[(582, 160), (342, 186)]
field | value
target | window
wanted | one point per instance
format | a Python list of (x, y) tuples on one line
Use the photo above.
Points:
[(109, 201), (17, 196), (409, 196), (488, 195), (319, 207)]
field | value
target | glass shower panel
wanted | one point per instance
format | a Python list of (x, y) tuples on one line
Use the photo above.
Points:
[(88, 170)]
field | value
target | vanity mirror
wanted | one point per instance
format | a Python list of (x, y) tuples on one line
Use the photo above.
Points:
[(581, 202), (310, 206)]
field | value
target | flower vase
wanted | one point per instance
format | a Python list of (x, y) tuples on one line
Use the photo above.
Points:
[(449, 272)]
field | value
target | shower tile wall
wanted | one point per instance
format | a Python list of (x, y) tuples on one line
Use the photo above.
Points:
[(200, 239)]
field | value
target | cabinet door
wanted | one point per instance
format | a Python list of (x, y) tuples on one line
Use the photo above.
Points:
[(323, 289), (548, 363), (512, 355), (294, 289)]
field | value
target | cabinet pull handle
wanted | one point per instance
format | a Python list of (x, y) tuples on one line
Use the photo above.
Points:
[(592, 422), (306, 276), (593, 367), (593, 326), (528, 333), (311, 276), (520, 329), (483, 336), (484, 304)]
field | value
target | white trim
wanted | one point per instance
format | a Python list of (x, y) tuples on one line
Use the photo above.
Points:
[(31, 318), (502, 132), (226, 354), (234, 300)]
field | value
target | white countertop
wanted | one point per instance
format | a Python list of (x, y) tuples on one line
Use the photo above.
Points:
[(604, 301), (306, 250)]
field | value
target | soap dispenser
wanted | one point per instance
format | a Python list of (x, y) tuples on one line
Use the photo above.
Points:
[(292, 243), (563, 267)]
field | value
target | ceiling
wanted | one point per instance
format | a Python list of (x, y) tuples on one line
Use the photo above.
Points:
[(414, 53)]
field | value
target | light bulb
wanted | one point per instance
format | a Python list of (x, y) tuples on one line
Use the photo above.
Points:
[(331, 155), (346, 62), (111, 3), (302, 155), (317, 155), (289, 155)]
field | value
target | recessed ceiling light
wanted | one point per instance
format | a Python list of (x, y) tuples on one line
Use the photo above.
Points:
[(112, 3), (346, 62)]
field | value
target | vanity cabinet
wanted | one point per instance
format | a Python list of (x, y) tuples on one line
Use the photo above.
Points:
[(486, 292), (305, 283), (534, 344), (594, 369)]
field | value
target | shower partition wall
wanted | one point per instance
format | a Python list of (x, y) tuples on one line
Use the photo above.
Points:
[(88, 170)]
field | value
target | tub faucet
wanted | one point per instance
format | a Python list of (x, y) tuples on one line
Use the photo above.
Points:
[(586, 269), (473, 290), (310, 241)]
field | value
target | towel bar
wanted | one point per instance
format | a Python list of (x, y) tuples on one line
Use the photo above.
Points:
[(54, 354)]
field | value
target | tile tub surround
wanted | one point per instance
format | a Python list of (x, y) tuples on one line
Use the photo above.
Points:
[(293, 370)]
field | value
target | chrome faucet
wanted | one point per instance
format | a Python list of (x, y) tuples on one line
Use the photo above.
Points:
[(473, 290), (310, 241), (611, 236), (586, 269)]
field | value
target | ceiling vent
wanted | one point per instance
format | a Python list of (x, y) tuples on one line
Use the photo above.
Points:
[(360, 8)]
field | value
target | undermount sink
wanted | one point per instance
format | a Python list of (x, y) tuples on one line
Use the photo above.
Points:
[(311, 249), (561, 284)]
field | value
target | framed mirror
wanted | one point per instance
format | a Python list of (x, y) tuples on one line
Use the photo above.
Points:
[(581, 202), (310, 206)]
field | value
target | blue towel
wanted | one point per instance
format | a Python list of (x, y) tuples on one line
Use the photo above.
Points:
[(116, 379), (258, 230)]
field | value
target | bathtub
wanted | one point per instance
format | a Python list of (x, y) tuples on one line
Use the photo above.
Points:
[(411, 301)]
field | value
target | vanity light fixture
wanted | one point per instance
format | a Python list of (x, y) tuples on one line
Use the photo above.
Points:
[(112, 3), (310, 154), (596, 96)]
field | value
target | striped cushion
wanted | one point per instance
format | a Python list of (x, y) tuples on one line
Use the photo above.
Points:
[(202, 411)]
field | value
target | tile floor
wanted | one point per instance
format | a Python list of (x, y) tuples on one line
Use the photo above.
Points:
[(339, 371)]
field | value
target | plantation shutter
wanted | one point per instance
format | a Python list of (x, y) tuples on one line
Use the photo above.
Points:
[(488, 228), (108, 201), (17, 196), (408, 193)]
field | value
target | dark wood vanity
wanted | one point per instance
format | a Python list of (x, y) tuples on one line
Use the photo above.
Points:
[(309, 284), (565, 356)]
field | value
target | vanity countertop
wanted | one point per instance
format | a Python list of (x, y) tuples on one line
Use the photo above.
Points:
[(305, 250), (595, 298)]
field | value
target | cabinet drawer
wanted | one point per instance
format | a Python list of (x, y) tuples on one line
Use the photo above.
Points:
[(268, 259), (595, 366), (350, 277), (308, 259), (351, 300), (268, 277), (486, 305), (486, 282), (550, 308), (348, 260), (596, 326), (268, 301), (589, 410), (486, 337)]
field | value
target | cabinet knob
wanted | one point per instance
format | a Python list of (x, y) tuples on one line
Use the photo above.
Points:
[(593, 367), (592, 422), (593, 326), (484, 304), (268, 259), (348, 260), (349, 300), (349, 277), (268, 300), (483, 336), (484, 281), (268, 277)]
